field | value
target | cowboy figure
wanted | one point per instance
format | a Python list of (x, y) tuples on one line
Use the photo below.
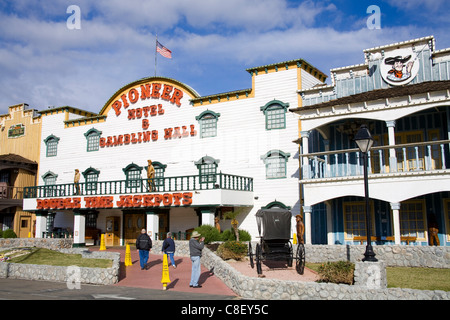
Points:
[(398, 62)]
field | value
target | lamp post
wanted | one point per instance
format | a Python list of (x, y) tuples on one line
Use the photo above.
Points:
[(364, 140)]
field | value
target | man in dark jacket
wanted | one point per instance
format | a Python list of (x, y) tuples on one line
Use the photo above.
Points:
[(143, 245), (168, 247)]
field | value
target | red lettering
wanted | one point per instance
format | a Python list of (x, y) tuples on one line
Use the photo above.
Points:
[(146, 136), (116, 106), (176, 97), (167, 199), (158, 198), (139, 113), (176, 133), (148, 200), (187, 198), (193, 131), (137, 201), (126, 138), (145, 91), (145, 124), (153, 110), (124, 100), (160, 109), (133, 138), (166, 92), (133, 95), (155, 90), (168, 133), (102, 142), (176, 199), (154, 135)]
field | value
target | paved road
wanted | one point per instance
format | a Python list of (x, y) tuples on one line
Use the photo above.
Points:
[(14, 289)]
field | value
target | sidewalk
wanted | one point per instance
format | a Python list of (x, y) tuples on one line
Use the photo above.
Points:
[(133, 276)]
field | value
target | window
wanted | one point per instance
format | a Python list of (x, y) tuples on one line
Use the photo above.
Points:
[(93, 139), (50, 184), (160, 168), (133, 176), (207, 168), (355, 220), (412, 219), (275, 112), (52, 145), (275, 161), (91, 178), (208, 123)]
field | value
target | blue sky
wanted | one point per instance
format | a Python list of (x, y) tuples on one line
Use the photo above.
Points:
[(44, 63)]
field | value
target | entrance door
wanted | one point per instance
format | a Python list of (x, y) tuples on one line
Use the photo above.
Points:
[(24, 227), (163, 225), (134, 223)]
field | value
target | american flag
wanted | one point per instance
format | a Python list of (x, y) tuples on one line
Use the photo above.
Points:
[(163, 50)]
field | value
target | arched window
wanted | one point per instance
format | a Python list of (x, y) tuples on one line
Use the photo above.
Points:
[(49, 183), (208, 123), (93, 139), (91, 177), (275, 161), (207, 169), (133, 175), (52, 145), (275, 112)]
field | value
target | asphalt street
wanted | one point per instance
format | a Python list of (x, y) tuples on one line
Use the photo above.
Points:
[(14, 289)]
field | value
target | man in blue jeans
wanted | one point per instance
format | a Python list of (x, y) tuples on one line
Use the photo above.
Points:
[(143, 245), (195, 250)]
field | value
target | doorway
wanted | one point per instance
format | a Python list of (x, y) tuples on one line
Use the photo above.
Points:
[(24, 227), (134, 222)]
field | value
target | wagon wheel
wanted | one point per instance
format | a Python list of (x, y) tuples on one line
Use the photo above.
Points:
[(258, 259), (300, 263), (250, 254), (290, 255)]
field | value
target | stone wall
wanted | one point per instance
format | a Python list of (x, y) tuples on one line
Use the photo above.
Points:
[(271, 289), (393, 256), (48, 243), (71, 275)]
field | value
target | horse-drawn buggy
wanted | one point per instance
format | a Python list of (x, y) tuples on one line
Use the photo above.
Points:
[(275, 244)]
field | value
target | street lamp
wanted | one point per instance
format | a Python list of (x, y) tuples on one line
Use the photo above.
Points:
[(364, 140)]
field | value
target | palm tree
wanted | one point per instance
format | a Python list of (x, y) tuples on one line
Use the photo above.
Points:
[(234, 223)]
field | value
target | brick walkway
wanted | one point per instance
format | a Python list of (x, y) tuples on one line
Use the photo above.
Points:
[(133, 276)]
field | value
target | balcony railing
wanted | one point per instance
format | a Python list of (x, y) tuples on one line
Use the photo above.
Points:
[(411, 157), (166, 184), (8, 192)]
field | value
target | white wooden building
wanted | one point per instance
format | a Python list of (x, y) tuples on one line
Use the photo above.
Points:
[(402, 93), (212, 154)]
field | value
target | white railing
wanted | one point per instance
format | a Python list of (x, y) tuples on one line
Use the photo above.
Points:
[(411, 157)]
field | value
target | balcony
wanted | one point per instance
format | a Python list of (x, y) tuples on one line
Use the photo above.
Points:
[(213, 190), (10, 196), (403, 159), (396, 173)]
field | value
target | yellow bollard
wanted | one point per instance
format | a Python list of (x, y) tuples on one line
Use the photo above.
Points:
[(29, 234), (165, 273), (128, 261), (102, 242), (295, 239)]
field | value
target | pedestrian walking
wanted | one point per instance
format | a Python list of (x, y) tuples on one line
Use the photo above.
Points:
[(196, 246), (143, 245), (168, 247)]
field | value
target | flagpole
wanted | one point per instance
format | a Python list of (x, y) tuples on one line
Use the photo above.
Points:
[(156, 52)]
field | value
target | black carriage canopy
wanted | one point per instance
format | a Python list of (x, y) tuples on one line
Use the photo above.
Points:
[(276, 223)]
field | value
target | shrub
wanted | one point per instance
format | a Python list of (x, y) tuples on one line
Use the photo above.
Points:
[(337, 272), (232, 250), (209, 232), (229, 235), (9, 234)]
